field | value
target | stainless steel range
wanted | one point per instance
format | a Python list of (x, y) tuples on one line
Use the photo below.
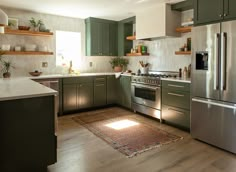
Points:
[(146, 92)]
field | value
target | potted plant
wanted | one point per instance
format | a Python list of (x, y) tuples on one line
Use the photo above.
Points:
[(118, 63), (35, 24), (7, 65)]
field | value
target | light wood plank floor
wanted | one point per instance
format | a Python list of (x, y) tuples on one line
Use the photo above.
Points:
[(81, 151)]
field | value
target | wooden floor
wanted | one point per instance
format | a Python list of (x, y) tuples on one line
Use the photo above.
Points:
[(81, 151)]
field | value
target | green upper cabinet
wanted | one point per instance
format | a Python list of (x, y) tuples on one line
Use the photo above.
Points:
[(212, 11), (229, 9), (101, 37)]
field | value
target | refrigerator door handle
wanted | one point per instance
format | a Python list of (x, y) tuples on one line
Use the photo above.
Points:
[(211, 102), (217, 59), (223, 61)]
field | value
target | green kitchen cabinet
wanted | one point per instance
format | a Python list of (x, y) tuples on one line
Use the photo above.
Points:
[(101, 37), (69, 97), (77, 93), (212, 11), (111, 89), (85, 95), (113, 39), (175, 103), (124, 92), (100, 91)]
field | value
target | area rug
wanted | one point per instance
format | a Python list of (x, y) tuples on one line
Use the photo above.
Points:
[(125, 132)]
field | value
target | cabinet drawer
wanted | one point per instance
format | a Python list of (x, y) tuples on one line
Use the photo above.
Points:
[(80, 79), (100, 79), (174, 98), (179, 86), (72, 80), (83, 79), (176, 116)]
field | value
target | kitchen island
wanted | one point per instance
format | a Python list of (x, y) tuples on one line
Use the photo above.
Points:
[(27, 125)]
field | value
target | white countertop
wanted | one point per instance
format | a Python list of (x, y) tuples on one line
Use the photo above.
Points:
[(18, 88), (187, 80)]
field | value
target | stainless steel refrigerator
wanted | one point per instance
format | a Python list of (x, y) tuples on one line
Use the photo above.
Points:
[(213, 107)]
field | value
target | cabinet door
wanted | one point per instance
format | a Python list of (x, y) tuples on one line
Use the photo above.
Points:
[(208, 11), (113, 39), (95, 39), (229, 9), (100, 95), (69, 97), (104, 40), (125, 91), (111, 89), (85, 95)]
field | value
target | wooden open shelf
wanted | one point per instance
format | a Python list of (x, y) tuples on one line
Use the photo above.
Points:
[(183, 53), (27, 53), (137, 54), (27, 32), (131, 38), (184, 29)]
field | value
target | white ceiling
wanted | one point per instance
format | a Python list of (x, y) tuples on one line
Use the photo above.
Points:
[(107, 9)]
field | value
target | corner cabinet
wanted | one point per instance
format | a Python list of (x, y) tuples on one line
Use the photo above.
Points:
[(220, 10), (28, 33), (101, 37)]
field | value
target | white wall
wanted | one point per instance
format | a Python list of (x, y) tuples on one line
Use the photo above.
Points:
[(27, 63), (161, 51)]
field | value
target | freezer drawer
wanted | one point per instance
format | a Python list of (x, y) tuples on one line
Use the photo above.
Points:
[(214, 122)]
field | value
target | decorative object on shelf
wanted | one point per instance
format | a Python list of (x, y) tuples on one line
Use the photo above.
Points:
[(35, 24), (119, 63), (35, 73), (6, 66), (3, 21), (6, 47), (30, 47), (17, 48), (13, 23), (189, 44), (23, 27)]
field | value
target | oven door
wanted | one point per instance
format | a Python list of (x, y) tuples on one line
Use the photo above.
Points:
[(146, 95)]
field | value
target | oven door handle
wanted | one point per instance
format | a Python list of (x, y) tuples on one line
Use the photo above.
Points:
[(145, 87)]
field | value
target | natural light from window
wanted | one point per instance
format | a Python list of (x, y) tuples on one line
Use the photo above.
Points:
[(68, 48), (122, 124)]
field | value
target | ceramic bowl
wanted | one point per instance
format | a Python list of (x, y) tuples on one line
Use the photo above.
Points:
[(35, 73)]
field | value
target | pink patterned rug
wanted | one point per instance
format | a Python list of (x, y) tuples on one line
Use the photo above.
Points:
[(124, 131)]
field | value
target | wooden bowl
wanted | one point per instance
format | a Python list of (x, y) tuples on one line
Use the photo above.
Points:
[(23, 27), (35, 73)]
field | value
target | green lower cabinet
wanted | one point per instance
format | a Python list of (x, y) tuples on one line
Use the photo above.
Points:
[(176, 116), (124, 92), (85, 95), (175, 103), (100, 96), (69, 97), (111, 89)]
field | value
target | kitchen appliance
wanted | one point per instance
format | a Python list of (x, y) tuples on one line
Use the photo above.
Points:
[(213, 110), (146, 92)]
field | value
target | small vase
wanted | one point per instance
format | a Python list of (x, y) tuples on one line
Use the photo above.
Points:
[(118, 68), (6, 75)]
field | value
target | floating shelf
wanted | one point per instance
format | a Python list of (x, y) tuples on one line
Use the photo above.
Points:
[(28, 33), (184, 29), (183, 53), (27, 53), (137, 54), (131, 38)]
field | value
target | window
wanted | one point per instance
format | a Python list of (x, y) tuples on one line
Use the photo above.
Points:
[(68, 48)]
